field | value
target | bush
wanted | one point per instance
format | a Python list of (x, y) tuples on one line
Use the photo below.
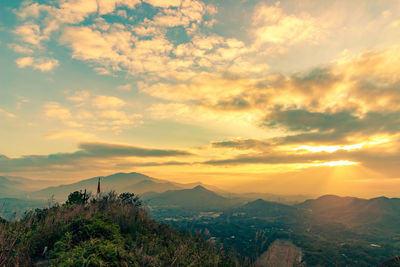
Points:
[(78, 198), (111, 230)]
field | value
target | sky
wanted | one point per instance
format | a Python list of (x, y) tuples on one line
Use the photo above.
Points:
[(290, 97)]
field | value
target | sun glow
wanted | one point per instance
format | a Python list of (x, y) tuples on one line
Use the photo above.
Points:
[(373, 141), (335, 163), (330, 149)]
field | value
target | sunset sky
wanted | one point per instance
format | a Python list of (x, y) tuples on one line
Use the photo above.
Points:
[(290, 97)]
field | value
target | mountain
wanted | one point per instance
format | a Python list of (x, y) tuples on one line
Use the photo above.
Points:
[(14, 208), (119, 182), (197, 198), (18, 186), (266, 209), (10, 188), (354, 213), (286, 199)]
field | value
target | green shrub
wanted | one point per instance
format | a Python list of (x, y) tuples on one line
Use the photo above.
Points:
[(110, 230)]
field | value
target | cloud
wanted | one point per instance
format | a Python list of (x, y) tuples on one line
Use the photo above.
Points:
[(92, 113), (103, 101), (57, 111), (276, 158), (276, 155), (89, 44), (72, 134), (115, 150), (88, 155), (30, 33), (79, 96), (112, 47), (21, 49), (7, 114), (243, 144), (273, 26), (42, 64), (211, 88), (333, 127), (24, 62), (125, 87), (164, 3)]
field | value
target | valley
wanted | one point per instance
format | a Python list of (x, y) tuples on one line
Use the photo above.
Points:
[(327, 230)]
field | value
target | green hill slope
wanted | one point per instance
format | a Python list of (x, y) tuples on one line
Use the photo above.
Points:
[(109, 231)]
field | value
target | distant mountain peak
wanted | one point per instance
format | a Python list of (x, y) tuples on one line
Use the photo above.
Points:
[(200, 187), (330, 196)]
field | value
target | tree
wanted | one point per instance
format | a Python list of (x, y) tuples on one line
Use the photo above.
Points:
[(130, 198), (78, 198)]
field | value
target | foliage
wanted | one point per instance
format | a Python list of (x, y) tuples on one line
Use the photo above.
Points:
[(130, 198), (78, 197), (109, 230)]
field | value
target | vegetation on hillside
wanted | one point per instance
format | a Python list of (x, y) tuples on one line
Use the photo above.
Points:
[(111, 230)]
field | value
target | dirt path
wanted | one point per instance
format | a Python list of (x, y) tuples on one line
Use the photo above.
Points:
[(281, 253), (41, 263)]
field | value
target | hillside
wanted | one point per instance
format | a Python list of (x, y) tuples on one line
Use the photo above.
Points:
[(197, 198), (14, 208), (10, 187), (383, 214), (119, 182), (266, 209), (110, 230), (330, 230)]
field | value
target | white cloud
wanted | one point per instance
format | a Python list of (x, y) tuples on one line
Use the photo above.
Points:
[(103, 102), (21, 49), (273, 26), (79, 96), (125, 87), (24, 62), (45, 65), (30, 33), (57, 111), (42, 64), (71, 134), (164, 3), (7, 114), (100, 113)]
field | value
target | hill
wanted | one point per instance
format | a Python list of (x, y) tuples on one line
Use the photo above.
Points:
[(10, 187), (266, 209), (330, 230), (110, 230), (119, 182), (196, 198), (14, 208), (381, 214)]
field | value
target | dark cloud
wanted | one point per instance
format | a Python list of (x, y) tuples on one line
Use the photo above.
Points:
[(317, 78), (242, 144), (236, 103), (113, 150), (88, 154), (376, 159), (332, 127), (150, 164)]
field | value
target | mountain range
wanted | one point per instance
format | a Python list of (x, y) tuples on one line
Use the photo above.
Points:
[(329, 229)]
